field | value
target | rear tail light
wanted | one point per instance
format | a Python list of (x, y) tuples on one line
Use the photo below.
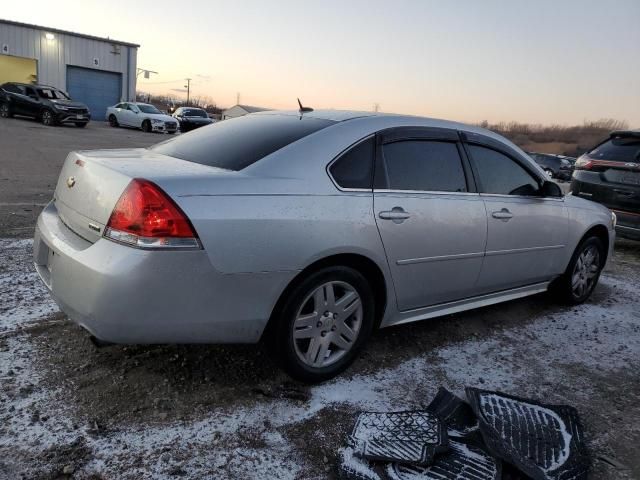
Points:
[(583, 164), (146, 217)]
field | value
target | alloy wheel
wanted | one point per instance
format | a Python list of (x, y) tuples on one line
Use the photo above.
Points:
[(585, 271), (47, 118), (327, 324), (4, 110)]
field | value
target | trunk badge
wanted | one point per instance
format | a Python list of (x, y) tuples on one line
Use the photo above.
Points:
[(71, 181)]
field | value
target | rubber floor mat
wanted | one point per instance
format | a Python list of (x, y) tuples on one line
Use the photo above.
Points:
[(404, 437), (461, 462), (457, 414), (546, 442)]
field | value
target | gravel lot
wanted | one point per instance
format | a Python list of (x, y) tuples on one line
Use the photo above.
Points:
[(69, 410)]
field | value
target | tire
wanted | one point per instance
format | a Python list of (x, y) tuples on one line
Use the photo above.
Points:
[(5, 110), (113, 121), (146, 126), (581, 277), (81, 124), (302, 339), (48, 118)]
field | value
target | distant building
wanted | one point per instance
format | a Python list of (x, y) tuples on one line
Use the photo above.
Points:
[(240, 110), (96, 71)]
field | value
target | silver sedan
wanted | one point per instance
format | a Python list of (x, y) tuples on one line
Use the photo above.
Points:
[(308, 230)]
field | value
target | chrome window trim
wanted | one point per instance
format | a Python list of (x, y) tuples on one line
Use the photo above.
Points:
[(339, 155), (423, 192), (528, 197)]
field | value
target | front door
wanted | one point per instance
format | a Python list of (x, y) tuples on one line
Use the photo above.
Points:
[(433, 225), (527, 233)]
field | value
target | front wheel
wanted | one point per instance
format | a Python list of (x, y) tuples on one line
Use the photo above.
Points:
[(5, 110), (146, 126), (48, 118), (324, 322), (581, 277)]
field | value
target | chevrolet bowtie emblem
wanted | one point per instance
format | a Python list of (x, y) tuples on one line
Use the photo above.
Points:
[(71, 181)]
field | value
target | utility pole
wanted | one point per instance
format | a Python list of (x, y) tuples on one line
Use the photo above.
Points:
[(376, 107), (238, 98), (188, 87)]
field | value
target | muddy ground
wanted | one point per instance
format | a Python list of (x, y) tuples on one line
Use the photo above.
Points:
[(227, 412)]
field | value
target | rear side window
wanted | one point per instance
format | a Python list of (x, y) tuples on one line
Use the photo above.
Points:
[(10, 87), (237, 143), (618, 150), (354, 169), (500, 174), (424, 165)]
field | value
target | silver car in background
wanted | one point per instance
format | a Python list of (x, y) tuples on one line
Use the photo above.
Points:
[(308, 230)]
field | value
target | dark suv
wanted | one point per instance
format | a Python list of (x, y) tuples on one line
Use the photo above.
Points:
[(47, 104), (610, 174), (555, 166)]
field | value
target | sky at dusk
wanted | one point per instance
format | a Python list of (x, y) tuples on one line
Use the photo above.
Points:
[(540, 61)]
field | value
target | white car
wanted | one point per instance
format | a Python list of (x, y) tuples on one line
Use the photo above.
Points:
[(140, 115)]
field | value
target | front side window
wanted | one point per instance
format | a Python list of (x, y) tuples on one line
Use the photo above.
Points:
[(424, 165), (354, 169), (52, 94), (30, 92), (500, 174)]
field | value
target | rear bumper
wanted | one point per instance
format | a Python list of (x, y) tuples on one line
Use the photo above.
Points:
[(125, 295)]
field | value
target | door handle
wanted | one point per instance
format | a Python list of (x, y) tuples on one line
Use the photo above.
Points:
[(397, 214), (503, 215)]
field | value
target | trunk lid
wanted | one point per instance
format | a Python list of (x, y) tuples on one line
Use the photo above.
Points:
[(91, 183)]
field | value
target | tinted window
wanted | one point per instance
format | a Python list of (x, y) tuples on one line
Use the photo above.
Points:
[(194, 112), (354, 169), (424, 165), (237, 143), (30, 91), (10, 87), (500, 174), (618, 149)]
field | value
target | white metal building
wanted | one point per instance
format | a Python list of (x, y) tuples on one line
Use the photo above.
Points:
[(96, 71), (240, 110)]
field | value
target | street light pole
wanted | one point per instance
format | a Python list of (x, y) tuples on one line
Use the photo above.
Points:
[(188, 87)]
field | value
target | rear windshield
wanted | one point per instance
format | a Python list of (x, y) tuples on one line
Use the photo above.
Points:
[(237, 143), (618, 149)]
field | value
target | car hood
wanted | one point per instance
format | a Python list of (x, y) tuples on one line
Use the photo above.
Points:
[(69, 103), (159, 116)]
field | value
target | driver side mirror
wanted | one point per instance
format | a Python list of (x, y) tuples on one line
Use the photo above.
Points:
[(551, 189)]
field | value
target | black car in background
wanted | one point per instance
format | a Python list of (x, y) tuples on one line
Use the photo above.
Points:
[(48, 104), (190, 118), (610, 174), (555, 165)]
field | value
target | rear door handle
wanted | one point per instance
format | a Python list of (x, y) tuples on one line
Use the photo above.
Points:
[(503, 215), (397, 214)]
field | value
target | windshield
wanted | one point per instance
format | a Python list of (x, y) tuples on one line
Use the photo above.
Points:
[(194, 112), (52, 94), (237, 143), (144, 108)]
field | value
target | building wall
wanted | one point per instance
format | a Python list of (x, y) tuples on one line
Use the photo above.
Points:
[(233, 112), (53, 56)]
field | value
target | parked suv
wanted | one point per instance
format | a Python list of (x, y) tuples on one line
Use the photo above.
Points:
[(191, 118), (610, 174), (47, 104), (554, 165)]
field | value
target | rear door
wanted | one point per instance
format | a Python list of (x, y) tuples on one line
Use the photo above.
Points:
[(527, 233), (30, 104), (431, 220)]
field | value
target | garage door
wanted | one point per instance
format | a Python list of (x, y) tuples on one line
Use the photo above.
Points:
[(17, 69), (96, 88)]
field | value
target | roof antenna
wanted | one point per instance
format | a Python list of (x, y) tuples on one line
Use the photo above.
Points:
[(304, 109)]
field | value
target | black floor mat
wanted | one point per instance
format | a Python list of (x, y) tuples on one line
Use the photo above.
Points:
[(543, 441), (404, 437), (461, 462), (456, 414)]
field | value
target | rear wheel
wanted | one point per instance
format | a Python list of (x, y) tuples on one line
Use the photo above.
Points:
[(113, 121), (5, 110), (583, 272), (324, 322), (146, 126), (48, 118)]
